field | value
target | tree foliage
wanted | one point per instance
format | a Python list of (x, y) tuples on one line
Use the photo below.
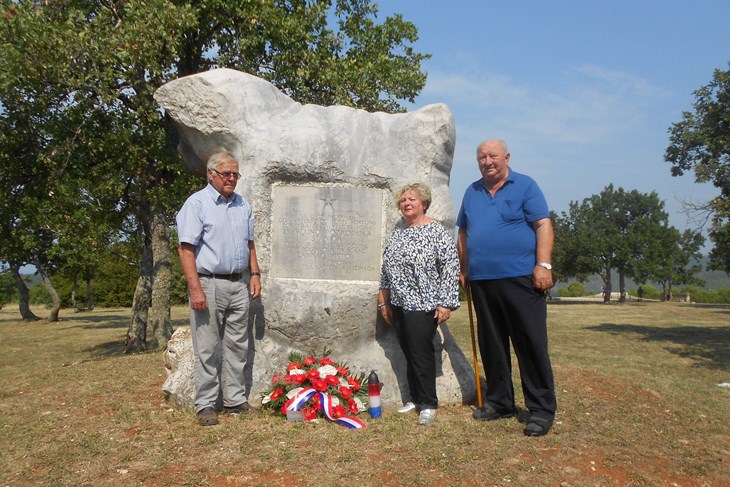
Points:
[(625, 231), (700, 142)]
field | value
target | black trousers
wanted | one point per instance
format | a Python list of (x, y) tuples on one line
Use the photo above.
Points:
[(513, 309), (415, 331)]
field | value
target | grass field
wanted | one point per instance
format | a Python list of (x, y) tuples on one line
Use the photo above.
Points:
[(639, 405)]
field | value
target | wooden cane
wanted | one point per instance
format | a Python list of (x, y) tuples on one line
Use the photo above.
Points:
[(474, 349)]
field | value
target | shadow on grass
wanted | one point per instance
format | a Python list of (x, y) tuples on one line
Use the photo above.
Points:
[(107, 350), (708, 347), (112, 322)]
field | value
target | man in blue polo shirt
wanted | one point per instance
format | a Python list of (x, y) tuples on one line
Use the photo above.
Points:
[(505, 248), (218, 258)]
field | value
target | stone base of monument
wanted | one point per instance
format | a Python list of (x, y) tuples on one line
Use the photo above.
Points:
[(455, 376)]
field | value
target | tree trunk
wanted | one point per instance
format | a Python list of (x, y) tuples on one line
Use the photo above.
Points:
[(161, 326), (55, 300), (89, 296), (607, 287), (23, 294), (622, 287), (669, 291), (73, 294), (137, 332)]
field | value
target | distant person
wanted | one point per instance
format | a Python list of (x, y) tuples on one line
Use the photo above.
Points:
[(505, 250), (419, 286), (640, 293), (218, 257)]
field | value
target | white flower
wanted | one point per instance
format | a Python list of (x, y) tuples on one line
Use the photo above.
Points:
[(360, 406), (296, 372), (326, 370)]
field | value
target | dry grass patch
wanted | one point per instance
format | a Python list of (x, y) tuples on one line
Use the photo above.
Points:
[(637, 391)]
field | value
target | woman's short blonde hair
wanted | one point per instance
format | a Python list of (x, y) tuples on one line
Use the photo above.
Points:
[(422, 191)]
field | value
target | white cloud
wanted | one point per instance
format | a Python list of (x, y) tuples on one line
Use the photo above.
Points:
[(623, 81)]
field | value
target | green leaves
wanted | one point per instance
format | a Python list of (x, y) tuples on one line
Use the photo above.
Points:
[(701, 142)]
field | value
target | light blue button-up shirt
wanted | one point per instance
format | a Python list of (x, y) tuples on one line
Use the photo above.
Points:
[(218, 228)]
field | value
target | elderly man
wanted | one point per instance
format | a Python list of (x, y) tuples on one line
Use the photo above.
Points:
[(218, 257), (505, 247)]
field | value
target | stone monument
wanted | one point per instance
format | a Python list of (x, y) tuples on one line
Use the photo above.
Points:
[(321, 181)]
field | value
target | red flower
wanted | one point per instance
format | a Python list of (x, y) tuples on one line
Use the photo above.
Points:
[(319, 385), (342, 371), (353, 383), (312, 374), (309, 413), (309, 361), (275, 379), (285, 405), (338, 411), (352, 406), (332, 380), (289, 379), (299, 378), (276, 394), (293, 365), (345, 392), (326, 361)]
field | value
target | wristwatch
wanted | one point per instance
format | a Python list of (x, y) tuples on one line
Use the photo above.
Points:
[(545, 265)]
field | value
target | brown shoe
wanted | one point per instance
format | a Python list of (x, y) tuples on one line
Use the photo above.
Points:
[(207, 417), (243, 408)]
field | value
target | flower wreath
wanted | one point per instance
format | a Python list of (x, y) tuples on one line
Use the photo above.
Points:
[(318, 387)]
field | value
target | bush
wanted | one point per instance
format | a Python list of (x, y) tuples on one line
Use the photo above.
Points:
[(8, 291), (574, 290), (700, 295), (650, 292)]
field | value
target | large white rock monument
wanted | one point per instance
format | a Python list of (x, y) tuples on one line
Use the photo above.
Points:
[(321, 181)]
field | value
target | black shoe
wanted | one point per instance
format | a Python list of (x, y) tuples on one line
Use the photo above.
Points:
[(537, 426), (488, 413), (240, 409), (207, 417)]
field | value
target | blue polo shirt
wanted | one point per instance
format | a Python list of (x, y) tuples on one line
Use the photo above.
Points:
[(500, 239)]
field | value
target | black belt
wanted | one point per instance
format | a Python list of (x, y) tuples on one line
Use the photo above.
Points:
[(228, 277)]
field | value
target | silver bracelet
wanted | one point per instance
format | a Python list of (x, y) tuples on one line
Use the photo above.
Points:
[(382, 305)]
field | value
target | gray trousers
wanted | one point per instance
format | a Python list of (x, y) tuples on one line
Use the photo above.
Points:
[(220, 342)]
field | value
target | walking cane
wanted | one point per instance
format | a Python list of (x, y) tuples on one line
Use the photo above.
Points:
[(474, 350)]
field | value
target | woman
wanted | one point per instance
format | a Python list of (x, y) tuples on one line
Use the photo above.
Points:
[(419, 286)]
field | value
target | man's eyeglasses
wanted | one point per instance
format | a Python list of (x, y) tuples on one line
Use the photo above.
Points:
[(227, 174)]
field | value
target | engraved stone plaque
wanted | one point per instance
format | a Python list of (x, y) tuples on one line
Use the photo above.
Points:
[(326, 232)]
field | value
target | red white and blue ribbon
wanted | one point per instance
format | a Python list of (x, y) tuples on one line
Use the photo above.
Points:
[(325, 400)]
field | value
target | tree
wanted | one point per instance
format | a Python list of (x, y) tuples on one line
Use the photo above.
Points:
[(614, 230), (701, 142), (677, 261), (97, 65)]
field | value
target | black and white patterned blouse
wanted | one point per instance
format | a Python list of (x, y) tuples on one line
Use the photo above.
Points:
[(421, 268)]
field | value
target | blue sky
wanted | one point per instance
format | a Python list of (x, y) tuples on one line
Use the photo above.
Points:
[(583, 92)]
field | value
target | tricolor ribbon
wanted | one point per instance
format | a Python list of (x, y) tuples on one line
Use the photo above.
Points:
[(301, 397)]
